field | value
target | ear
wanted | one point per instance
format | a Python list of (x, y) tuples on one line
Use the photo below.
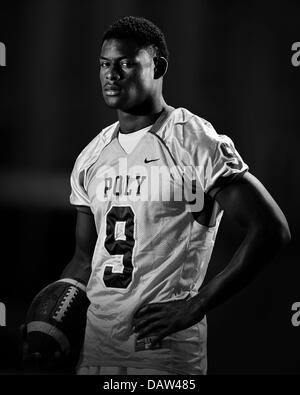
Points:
[(161, 67)]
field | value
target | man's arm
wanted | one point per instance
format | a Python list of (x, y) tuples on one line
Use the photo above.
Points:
[(249, 206), (78, 268), (86, 236)]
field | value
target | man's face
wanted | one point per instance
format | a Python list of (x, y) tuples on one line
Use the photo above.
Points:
[(126, 75)]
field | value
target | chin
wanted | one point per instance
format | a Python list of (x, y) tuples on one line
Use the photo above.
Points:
[(112, 103), (117, 105), (112, 106)]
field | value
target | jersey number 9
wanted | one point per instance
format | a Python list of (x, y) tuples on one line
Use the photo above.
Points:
[(119, 245)]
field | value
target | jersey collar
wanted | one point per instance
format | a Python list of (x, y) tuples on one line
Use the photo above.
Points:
[(166, 112)]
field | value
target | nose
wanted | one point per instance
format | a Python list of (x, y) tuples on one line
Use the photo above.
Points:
[(112, 74)]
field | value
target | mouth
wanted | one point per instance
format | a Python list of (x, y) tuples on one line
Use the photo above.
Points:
[(112, 90)]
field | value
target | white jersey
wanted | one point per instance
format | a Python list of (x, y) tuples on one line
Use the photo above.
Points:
[(157, 220)]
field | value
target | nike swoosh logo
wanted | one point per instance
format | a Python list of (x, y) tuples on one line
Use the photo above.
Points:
[(150, 160)]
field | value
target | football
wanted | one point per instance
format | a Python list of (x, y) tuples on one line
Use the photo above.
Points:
[(56, 319)]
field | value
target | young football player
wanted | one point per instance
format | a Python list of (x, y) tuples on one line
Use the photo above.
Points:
[(150, 191)]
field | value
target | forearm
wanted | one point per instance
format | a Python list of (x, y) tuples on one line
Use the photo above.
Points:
[(257, 249)]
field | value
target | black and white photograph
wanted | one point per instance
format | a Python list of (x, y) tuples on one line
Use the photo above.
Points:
[(149, 190)]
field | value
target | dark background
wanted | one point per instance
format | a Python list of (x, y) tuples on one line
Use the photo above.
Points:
[(231, 64)]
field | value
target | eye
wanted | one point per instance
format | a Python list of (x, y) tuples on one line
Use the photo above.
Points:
[(104, 64), (125, 64)]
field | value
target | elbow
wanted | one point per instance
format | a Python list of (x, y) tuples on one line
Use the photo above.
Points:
[(277, 234), (284, 235)]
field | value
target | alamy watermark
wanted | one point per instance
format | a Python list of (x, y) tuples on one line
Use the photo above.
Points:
[(2, 54), (2, 314), (296, 314), (150, 183), (296, 55)]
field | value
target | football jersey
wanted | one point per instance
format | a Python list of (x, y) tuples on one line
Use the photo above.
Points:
[(156, 218)]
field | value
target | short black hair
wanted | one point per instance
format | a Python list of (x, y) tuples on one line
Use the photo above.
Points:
[(144, 32)]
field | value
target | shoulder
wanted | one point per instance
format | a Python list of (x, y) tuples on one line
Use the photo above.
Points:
[(92, 150), (190, 131)]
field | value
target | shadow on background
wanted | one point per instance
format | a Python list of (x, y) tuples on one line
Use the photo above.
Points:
[(231, 64)]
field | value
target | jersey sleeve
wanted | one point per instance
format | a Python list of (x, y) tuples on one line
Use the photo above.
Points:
[(88, 156), (219, 163), (79, 196)]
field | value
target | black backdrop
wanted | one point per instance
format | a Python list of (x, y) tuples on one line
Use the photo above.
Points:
[(231, 64)]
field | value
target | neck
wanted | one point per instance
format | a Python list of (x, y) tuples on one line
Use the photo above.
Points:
[(133, 121)]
